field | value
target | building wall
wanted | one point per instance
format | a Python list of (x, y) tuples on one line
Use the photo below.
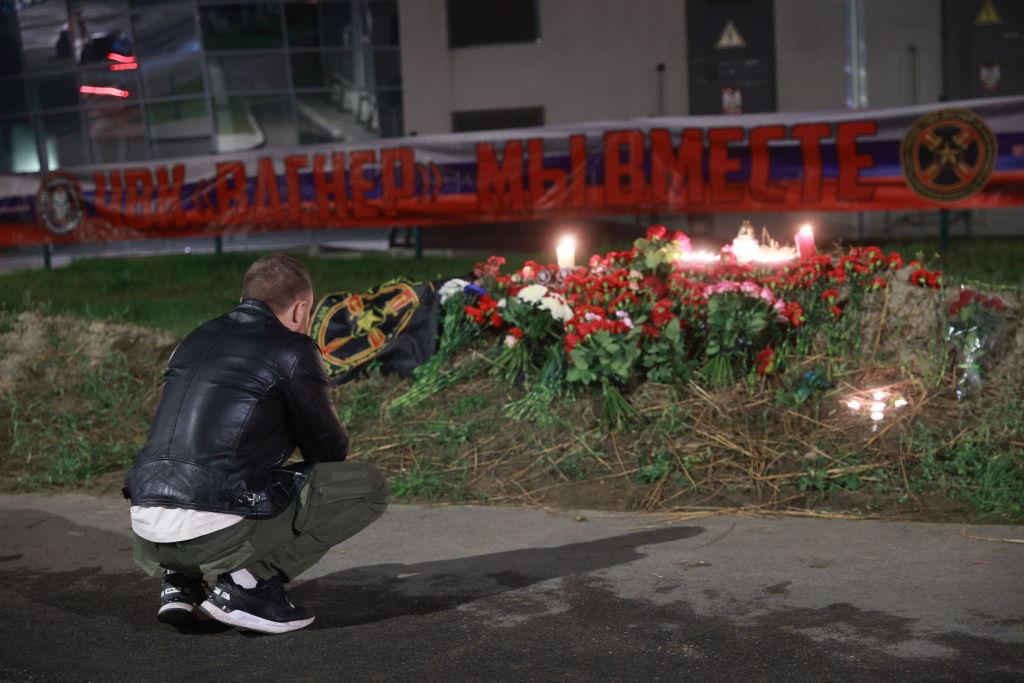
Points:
[(595, 60), (893, 29), (810, 55)]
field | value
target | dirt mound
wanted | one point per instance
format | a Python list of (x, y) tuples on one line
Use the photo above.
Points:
[(908, 326), (31, 337), (75, 397)]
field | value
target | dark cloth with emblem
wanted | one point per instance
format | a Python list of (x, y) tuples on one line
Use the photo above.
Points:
[(239, 394), (394, 326)]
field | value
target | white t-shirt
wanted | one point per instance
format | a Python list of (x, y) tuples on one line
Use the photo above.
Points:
[(171, 525)]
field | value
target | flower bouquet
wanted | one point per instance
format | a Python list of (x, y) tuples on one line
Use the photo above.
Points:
[(974, 320)]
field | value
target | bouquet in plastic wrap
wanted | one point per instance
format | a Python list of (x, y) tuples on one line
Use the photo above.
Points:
[(974, 321)]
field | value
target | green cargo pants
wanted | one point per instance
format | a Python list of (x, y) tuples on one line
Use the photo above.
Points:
[(338, 500)]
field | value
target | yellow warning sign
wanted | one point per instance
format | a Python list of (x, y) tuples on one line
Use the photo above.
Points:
[(730, 37), (988, 15)]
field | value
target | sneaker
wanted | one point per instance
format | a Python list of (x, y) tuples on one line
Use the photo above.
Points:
[(265, 608), (180, 597)]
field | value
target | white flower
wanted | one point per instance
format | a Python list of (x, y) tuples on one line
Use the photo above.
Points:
[(624, 317), (532, 294), (502, 303), (556, 306), (635, 275), (510, 341), (451, 288)]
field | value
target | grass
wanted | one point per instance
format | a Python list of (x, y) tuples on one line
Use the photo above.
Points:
[(177, 293), (983, 261), (70, 434), (86, 418)]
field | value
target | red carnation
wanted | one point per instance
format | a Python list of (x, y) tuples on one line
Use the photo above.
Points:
[(765, 360), (661, 313), (878, 283), (515, 332), (794, 313), (655, 285), (830, 295), (656, 232), (836, 311), (571, 340)]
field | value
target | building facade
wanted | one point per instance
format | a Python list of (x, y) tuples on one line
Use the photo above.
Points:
[(102, 81), (607, 59), (86, 82)]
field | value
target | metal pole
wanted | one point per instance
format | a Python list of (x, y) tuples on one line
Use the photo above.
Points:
[(661, 88), (856, 56), (218, 244), (856, 69), (418, 237), (943, 230), (48, 257)]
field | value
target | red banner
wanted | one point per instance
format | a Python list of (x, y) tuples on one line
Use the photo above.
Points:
[(957, 155)]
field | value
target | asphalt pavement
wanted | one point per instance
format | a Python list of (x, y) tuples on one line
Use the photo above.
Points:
[(510, 594)]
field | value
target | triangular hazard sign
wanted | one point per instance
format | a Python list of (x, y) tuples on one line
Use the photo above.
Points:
[(988, 15), (730, 37)]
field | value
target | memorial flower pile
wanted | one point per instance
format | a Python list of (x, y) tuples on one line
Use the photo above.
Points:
[(974, 320), (658, 312)]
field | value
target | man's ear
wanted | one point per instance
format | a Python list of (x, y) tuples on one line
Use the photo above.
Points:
[(299, 311)]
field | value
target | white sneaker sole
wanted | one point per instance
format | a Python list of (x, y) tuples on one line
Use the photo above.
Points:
[(240, 619), (181, 606)]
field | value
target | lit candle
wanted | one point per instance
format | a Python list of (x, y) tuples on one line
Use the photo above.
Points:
[(805, 241), (745, 247), (565, 252)]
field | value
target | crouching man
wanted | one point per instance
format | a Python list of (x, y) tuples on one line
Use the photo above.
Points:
[(209, 491)]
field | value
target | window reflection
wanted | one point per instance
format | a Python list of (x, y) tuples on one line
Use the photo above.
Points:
[(327, 24), (116, 134), (51, 92), (169, 75), (180, 128), (250, 122), (384, 23), (12, 96), (241, 27), (101, 86), (322, 69), (165, 31), (233, 73), (10, 51), (96, 81), (18, 152), (62, 140)]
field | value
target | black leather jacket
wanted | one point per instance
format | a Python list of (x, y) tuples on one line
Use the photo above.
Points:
[(239, 394)]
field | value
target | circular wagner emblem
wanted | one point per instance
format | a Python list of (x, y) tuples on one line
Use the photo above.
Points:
[(59, 206), (948, 155)]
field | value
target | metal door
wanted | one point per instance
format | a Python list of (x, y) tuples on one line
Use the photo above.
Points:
[(984, 48), (731, 55)]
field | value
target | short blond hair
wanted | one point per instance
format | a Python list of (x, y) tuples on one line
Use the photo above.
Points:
[(278, 280)]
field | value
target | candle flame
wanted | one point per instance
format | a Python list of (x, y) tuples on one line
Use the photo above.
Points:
[(806, 229)]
